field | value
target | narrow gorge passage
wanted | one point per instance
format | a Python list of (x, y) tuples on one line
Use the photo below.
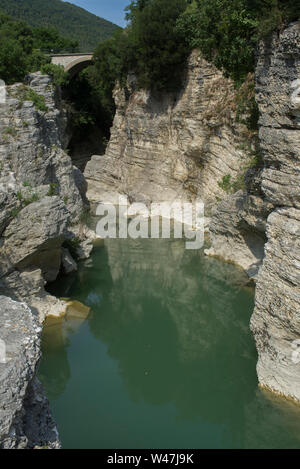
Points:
[(165, 358), (88, 129)]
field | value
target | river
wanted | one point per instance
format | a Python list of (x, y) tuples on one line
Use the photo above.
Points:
[(165, 358)]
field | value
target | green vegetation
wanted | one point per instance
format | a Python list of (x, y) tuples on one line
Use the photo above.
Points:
[(69, 20), (48, 39), (253, 159), (38, 101), (227, 31), (53, 190), (27, 199), (230, 186), (156, 49), (226, 184), (22, 49), (15, 212), (12, 131), (24, 93), (161, 34), (57, 72), (151, 47), (17, 54)]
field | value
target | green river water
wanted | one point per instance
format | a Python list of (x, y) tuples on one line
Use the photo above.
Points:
[(164, 360)]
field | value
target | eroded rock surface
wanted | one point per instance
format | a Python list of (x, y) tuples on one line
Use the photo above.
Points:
[(171, 146), (25, 418), (42, 199), (276, 319), (238, 230), (42, 195), (270, 212)]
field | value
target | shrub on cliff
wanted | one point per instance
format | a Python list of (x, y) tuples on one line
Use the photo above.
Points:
[(227, 31)]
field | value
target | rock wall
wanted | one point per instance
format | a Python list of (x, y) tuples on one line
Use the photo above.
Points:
[(42, 195), (25, 418), (175, 146), (238, 227), (269, 212), (276, 319), (42, 198)]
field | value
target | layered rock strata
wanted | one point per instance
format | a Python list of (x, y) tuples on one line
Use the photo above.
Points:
[(42, 199), (25, 417), (270, 211), (175, 146), (276, 319), (42, 195)]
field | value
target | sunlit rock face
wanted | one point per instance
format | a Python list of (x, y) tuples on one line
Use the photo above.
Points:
[(276, 320), (42, 195), (172, 145), (25, 417)]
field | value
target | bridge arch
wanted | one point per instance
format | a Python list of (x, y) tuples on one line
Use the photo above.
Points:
[(72, 63)]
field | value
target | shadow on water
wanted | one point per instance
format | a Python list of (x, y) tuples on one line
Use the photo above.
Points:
[(165, 359)]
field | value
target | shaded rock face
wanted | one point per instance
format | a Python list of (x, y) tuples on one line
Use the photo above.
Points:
[(276, 320), (171, 146), (238, 226), (237, 231), (25, 418)]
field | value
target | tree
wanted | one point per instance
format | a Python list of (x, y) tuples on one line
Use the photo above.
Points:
[(157, 49), (20, 51), (48, 39), (227, 31)]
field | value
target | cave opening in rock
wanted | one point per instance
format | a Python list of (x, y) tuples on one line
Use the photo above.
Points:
[(90, 114)]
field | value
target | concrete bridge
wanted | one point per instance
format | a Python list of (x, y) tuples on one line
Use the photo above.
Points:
[(72, 63)]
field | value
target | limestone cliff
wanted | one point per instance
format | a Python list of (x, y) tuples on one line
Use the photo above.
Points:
[(238, 228), (42, 195), (171, 146), (276, 320), (25, 419), (270, 212)]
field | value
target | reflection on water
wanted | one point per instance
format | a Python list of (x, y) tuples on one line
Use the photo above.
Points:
[(165, 359)]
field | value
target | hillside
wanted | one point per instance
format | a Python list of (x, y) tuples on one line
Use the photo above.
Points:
[(70, 20)]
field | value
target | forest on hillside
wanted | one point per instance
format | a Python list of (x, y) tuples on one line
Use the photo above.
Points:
[(70, 20)]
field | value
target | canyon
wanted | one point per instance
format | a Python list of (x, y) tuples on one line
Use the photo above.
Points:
[(171, 146)]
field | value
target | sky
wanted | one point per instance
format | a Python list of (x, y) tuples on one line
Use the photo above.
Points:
[(112, 10)]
